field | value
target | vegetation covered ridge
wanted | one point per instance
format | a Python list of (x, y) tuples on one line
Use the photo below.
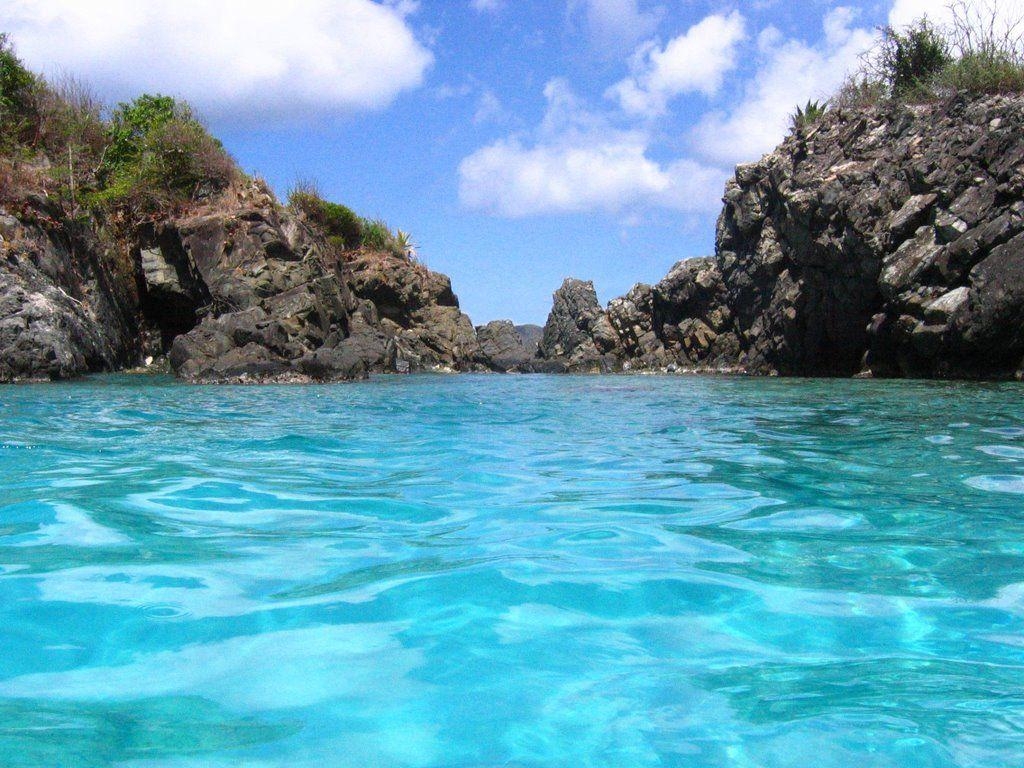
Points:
[(975, 54), (145, 158), (129, 234)]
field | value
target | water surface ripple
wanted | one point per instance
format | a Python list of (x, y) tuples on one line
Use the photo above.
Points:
[(485, 571)]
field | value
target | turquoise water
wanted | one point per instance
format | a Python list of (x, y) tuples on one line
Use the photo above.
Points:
[(512, 571)]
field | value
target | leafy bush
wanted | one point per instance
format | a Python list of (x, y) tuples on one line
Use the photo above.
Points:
[(343, 228), (974, 73), (377, 235), (17, 89), (159, 155), (908, 60), (132, 123), (70, 116), (807, 115), (978, 53), (340, 224), (858, 92)]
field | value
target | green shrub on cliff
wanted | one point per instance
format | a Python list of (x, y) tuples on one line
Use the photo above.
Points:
[(342, 227), (377, 234), (70, 118), (153, 153), (808, 115), (345, 229), (158, 154), (857, 92), (990, 55), (17, 97), (908, 60), (978, 53)]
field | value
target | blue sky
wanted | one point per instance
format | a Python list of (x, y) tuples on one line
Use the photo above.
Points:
[(519, 141)]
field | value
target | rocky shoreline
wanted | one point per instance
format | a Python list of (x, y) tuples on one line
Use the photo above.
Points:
[(240, 289), (886, 241)]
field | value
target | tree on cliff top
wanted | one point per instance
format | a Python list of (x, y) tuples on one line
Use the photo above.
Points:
[(152, 153), (159, 154)]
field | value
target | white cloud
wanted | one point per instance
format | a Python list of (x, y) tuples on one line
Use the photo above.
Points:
[(694, 62), (789, 73), (580, 163), (614, 26), (906, 12), (246, 58), (484, 6), (489, 109)]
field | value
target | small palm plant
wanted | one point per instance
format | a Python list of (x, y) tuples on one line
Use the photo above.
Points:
[(404, 243), (807, 115)]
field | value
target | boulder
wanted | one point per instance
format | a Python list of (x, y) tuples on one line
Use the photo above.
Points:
[(500, 347), (569, 332)]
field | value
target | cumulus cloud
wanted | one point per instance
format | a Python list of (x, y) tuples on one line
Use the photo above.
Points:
[(694, 62), (580, 163), (244, 58), (788, 73), (1005, 12), (614, 26)]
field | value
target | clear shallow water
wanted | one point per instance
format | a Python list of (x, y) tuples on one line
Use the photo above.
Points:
[(512, 571)]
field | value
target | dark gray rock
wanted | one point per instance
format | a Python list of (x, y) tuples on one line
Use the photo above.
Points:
[(415, 323), (277, 304), (888, 241), (530, 335), (569, 332), (500, 347), (62, 313)]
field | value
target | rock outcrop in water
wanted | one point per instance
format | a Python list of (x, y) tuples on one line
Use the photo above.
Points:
[(887, 241), (238, 288)]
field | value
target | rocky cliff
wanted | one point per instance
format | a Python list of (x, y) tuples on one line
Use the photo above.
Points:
[(67, 300), (885, 241), (235, 288)]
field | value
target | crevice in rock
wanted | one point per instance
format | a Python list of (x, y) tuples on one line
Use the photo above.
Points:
[(173, 295)]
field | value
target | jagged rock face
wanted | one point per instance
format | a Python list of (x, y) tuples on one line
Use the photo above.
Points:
[(576, 326), (397, 285), (410, 319), (294, 311), (883, 241), (887, 241), (237, 290), (275, 307), (62, 311), (500, 347)]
